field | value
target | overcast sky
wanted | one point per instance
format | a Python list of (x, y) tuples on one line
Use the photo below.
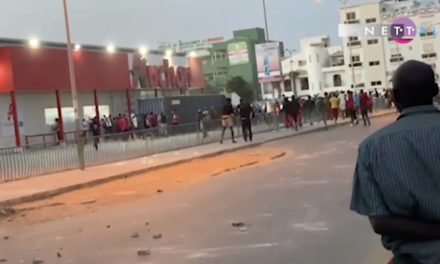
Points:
[(131, 23)]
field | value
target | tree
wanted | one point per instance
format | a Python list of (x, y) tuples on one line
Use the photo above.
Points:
[(241, 87)]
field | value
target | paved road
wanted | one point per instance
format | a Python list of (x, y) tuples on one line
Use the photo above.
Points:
[(295, 210)]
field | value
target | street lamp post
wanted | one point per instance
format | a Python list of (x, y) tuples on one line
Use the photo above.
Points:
[(79, 142), (353, 76)]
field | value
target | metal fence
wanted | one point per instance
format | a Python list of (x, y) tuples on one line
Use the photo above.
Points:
[(43, 158)]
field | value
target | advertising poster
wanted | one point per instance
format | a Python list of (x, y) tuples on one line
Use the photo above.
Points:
[(238, 53), (268, 62)]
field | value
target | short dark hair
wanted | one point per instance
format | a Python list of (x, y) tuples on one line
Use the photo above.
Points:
[(414, 84)]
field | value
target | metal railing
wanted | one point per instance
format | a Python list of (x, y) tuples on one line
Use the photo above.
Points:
[(43, 158)]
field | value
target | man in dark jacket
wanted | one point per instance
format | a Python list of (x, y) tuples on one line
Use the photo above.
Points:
[(246, 115), (228, 120)]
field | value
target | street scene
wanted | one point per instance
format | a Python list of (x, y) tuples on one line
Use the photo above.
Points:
[(283, 202), (188, 131)]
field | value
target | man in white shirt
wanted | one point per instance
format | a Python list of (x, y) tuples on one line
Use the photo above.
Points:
[(342, 104)]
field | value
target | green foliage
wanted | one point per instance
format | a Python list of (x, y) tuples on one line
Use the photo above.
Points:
[(239, 86)]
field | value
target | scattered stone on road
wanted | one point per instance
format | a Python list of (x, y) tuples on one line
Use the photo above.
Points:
[(37, 261), (243, 229), (7, 211), (108, 226), (157, 236), (5, 237), (159, 191), (147, 223), (3, 260), (89, 201), (238, 224), (143, 252), (135, 235), (59, 255)]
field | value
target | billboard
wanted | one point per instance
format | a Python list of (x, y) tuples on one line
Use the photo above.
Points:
[(268, 62), (238, 53)]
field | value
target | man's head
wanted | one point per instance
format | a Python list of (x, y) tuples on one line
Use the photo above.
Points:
[(414, 84), (228, 101), (362, 92), (309, 97)]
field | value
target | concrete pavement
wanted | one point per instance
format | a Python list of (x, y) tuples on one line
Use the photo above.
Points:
[(45, 186), (295, 211)]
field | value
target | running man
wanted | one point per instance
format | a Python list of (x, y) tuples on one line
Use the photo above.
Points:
[(228, 120)]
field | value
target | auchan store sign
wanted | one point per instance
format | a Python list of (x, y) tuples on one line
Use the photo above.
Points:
[(160, 76)]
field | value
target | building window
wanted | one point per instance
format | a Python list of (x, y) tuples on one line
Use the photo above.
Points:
[(396, 58), (374, 63), (317, 58), (304, 84), (370, 20), (360, 85), (288, 85), (429, 55), (353, 41), (356, 61), (337, 80), (351, 16), (376, 83), (372, 41)]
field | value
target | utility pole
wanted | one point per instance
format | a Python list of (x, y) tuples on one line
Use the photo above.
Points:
[(79, 141)]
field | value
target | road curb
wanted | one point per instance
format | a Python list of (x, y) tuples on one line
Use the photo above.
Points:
[(93, 183)]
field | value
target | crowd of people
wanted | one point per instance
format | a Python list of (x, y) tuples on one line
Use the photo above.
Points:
[(331, 106)]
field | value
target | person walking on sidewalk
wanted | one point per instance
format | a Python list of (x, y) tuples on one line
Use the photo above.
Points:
[(288, 119), (351, 108), (309, 107), (246, 115), (397, 175), (294, 109), (364, 102), (342, 105), (334, 104), (228, 120), (321, 108)]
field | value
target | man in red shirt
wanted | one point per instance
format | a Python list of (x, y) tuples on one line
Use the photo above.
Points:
[(364, 102)]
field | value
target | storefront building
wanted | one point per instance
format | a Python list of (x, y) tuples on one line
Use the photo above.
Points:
[(35, 85)]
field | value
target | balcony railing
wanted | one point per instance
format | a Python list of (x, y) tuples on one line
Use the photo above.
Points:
[(354, 43), (356, 64)]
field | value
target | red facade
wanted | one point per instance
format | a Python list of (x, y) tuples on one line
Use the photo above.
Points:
[(25, 69)]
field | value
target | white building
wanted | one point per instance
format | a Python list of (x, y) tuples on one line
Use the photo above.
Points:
[(317, 68), (364, 63), (374, 60)]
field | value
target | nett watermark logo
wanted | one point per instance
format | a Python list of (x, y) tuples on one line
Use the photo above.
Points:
[(402, 30)]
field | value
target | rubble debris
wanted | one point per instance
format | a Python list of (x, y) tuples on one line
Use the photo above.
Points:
[(3, 260), (109, 226), (147, 223), (89, 201), (59, 255), (135, 235), (157, 236), (5, 237), (243, 229), (238, 224), (38, 261), (143, 252), (7, 211), (159, 191)]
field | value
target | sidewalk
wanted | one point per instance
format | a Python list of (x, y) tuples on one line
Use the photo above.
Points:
[(46, 186)]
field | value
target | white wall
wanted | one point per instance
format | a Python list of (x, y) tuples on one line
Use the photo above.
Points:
[(31, 110)]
